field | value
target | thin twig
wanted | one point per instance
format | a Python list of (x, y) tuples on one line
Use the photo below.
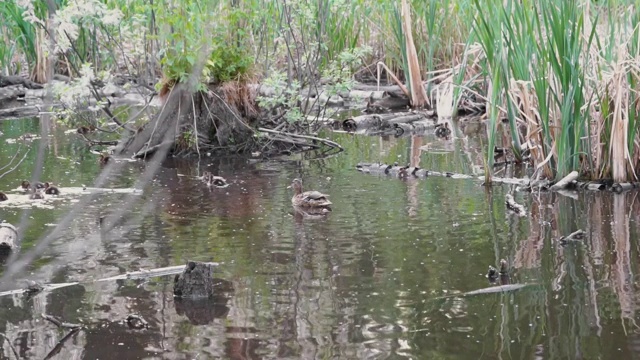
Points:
[(56, 349), (13, 158), (324, 141), (15, 352), (20, 162)]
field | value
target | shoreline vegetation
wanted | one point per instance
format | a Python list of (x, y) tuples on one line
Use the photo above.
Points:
[(555, 80)]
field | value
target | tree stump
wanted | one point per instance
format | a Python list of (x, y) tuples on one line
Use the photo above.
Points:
[(188, 122), (8, 236), (196, 281)]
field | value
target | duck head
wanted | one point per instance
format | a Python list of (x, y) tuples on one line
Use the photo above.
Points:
[(296, 184)]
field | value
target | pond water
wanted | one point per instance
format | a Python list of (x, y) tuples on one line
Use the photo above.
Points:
[(381, 277)]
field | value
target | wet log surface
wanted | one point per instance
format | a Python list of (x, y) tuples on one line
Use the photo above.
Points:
[(18, 80), (382, 122)]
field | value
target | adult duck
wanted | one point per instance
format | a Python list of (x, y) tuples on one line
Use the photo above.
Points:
[(308, 199), (212, 180), (3, 196), (26, 185), (50, 189)]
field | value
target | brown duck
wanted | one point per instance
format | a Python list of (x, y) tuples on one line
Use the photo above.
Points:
[(50, 189), (26, 185), (3, 196), (308, 199)]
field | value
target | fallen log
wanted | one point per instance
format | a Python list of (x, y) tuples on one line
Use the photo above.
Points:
[(8, 236), (18, 80), (367, 121), (565, 181), (417, 127), (622, 187)]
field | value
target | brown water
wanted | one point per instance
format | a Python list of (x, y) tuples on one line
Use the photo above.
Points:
[(380, 277)]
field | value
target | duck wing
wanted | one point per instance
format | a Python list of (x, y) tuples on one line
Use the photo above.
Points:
[(314, 195)]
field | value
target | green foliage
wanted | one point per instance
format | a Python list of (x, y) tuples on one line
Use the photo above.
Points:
[(285, 97)]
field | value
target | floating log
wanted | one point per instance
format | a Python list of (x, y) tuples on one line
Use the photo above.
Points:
[(565, 181), (414, 127), (196, 281), (8, 236), (622, 187), (368, 121)]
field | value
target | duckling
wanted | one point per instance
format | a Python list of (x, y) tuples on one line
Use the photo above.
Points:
[(442, 130), (3, 196), (26, 185), (36, 195), (84, 130), (50, 189), (104, 159), (308, 199), (212, 180)]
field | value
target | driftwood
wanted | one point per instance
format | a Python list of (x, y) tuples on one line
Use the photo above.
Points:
[(18, 80), (566, 181), (196, 281), (8, 236), (382, 122), (412, 128)]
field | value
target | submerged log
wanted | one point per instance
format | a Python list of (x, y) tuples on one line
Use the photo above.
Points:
[(8, 236), (196, 281), (565, 181)]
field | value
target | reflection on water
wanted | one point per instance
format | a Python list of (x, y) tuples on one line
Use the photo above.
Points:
[(382, 276)]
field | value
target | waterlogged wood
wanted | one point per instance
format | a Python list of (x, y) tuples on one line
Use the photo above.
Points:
[(133, 275), (566, 181), (417, 127), (18, 80), (8, 236), (622, 187), (495, 289), (364, 122)]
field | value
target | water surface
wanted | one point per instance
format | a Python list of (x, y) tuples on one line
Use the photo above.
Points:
[(381, 277)]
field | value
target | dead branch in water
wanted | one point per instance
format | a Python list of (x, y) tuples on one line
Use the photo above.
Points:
[(62, 325), (15, 352), (56, 349), (314, 138)]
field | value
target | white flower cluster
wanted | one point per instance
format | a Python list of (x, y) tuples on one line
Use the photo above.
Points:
[(76, 14), (77, 94)]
